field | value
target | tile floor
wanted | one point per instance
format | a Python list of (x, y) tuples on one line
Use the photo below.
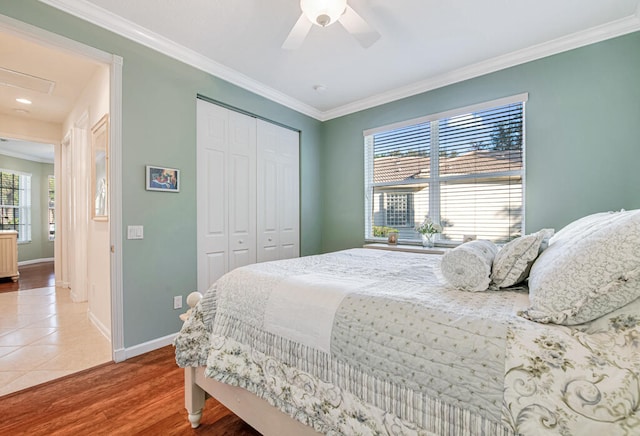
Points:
[(43, 336)]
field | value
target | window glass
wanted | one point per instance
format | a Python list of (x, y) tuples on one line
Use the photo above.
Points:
[(463, 170)]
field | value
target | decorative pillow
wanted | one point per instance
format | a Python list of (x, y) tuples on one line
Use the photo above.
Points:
[(468, 266), (580, 225), (513, 262), (588, 275)]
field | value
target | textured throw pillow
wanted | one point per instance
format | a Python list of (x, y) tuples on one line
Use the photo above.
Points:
[(513, 262), (468, 266), (594, 272), (581, 225)]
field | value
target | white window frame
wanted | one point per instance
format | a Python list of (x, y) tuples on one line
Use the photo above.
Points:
[(24, 205), (51, 208), (434, 178)]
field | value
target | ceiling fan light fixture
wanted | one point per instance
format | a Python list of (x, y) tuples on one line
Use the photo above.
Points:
[(323, 12)]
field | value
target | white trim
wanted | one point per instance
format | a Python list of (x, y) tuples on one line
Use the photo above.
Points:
[(16, 172), (46, 38), (115, 204), (579, 39), (127, 353), (107, 20), (100, 326), (518, 98), (121, 26), (43, 37), (34, 261), (25, 157)]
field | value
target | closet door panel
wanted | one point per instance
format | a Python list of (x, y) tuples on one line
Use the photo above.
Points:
[(289, 194), (267, 233), (212, 220), (278, 192), (242, 190)]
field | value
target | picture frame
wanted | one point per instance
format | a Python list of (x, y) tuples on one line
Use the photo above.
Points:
[(162, 179), (392, 238), (100, 170)]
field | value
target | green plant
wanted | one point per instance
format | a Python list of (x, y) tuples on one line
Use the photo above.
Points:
[(382, 231), (428, 227)]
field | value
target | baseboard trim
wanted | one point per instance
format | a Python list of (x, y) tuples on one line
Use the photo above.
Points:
[(31, 262), (136, 350), (100, 326)]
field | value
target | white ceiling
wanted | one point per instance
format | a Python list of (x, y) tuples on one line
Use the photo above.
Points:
[(68, 74), (425, 43), (34, 151)]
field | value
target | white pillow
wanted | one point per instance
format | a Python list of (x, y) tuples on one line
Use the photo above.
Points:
[(580, 225), (468, 266), (513, 262), (594, 272)]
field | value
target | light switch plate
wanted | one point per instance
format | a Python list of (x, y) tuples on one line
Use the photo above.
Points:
[(135, 232), (177, 302)]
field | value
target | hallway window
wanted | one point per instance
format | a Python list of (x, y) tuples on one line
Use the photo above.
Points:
[(51, 185), (15, 203)]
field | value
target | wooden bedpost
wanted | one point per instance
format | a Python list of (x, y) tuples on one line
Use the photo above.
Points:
[(194, 397)]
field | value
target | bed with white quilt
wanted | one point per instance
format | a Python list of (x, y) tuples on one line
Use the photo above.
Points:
[(538, 337)]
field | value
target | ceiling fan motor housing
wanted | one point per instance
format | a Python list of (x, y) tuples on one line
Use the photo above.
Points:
[(323, 12)]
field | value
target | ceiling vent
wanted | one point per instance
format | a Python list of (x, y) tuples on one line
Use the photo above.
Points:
[(16, 79)]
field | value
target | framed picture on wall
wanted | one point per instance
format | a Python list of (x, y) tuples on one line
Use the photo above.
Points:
[(162, 179)]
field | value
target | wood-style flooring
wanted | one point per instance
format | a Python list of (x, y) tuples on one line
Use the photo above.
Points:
[(141, 396), (38, 275)]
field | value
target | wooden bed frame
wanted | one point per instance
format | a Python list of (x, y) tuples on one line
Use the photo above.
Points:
[(252, 409)]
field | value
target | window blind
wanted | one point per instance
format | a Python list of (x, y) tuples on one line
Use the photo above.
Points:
[(464, 171)]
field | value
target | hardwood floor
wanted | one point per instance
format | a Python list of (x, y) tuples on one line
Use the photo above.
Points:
[(39, 275), (141, 396)]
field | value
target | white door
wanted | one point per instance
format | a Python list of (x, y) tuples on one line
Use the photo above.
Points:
[(242, 190), (225, 185), (278, 193), (289, 194)]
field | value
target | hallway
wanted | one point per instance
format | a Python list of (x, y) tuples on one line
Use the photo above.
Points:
[(43, 334)]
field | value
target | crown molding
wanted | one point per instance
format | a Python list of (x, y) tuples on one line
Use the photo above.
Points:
[(107, 20), (579, 39), (130, 30), (25, 156)]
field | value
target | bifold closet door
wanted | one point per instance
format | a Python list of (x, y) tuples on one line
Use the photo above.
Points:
[(278, 192), (226, 191)]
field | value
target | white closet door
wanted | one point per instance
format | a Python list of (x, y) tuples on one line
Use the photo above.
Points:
[(268, 237), (225, 185), (289, 194), (278, 192), (211, 193), (242, 190)]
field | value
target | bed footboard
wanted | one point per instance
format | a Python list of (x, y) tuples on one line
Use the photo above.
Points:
[(255, 411), (194, 397)]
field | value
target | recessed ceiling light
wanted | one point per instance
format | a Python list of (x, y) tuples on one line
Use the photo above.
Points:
[(23, 100), (319, 88)]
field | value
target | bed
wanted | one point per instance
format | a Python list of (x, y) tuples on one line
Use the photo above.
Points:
[(383, 342)]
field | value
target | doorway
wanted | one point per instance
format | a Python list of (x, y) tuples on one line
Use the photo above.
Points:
[(73, 184)]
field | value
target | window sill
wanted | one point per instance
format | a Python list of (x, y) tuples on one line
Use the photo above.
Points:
[(406, 248)]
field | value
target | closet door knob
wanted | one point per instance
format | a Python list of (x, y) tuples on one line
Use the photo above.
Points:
[(270, 239), (240, 241)]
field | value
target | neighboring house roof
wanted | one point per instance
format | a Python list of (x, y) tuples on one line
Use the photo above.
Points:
[(403, 168)]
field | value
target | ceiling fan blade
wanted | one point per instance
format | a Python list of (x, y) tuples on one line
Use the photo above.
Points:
[(297, 34), (360, 29)]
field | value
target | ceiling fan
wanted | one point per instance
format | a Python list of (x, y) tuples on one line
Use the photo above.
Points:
[(324, 13)]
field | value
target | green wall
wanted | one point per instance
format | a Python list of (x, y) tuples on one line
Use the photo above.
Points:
[(582, 137), (40, 247), (159, 127)]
